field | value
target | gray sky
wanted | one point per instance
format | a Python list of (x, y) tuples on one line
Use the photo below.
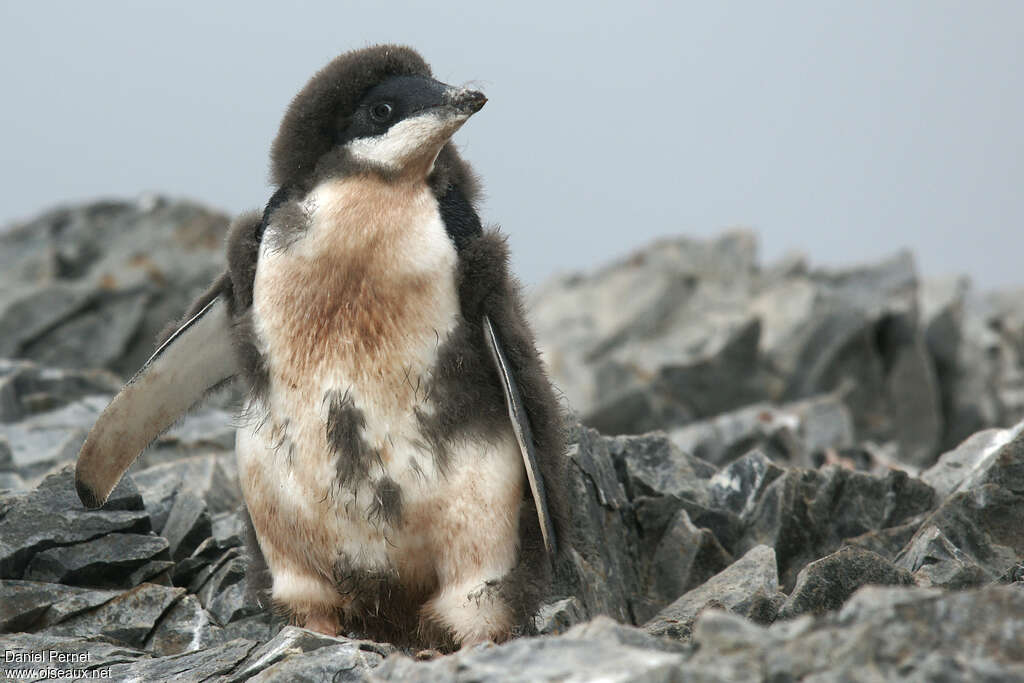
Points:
[(843, 129)]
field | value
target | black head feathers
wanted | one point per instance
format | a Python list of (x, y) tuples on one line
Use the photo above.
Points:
[(308, 129)]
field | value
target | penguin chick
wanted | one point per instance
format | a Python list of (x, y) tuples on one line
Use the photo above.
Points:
[(401, 450)]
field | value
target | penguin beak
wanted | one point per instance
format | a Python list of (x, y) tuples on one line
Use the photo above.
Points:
[(467, 102)]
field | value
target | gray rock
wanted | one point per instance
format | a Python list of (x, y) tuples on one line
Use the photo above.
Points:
[(683, 559), (978, 532), (955, 466), (52, 516), (807, 514), (127, 619), (92, 285), (105, 562), (882, 634), (197, 474), (289, 650), (224, 594), (527, 659), (186, 627), (27, 388), (653, 465), (228, 529), (101, 655), (826, 584), (188, 525), (558, 616), (739, 486), (200, 665), (342, 662), (741, 588), (30, 605)]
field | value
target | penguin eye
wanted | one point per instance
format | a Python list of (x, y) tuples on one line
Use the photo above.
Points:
[(381, 112)]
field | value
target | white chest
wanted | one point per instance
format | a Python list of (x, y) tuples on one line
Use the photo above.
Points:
[(351, 313)]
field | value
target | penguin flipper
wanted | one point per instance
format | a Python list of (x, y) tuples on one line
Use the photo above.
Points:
[(196, 357), (523, 433)]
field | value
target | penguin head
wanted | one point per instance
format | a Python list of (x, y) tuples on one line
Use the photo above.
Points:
[(400, 125), (377, 109)]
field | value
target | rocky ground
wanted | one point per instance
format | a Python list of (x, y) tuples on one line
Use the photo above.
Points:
[(780, 473)]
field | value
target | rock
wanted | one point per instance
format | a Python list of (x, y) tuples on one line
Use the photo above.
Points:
[(216, 661), (684, 558), (559, 616), (19, 649), (188, 525), (751, 580), (604, 629), (105, 562), (527, 659), (345, 661), (954, 466), (788, 434), (825, 584), (978, 532), (28, 389), (807, 514), (228, 529), (92, 285), (652, 465), (289, 652), (739, 486), (186, 627), (881, 634), (224, 594), (126, 619), (46, 440), (52, 515), (202, 475), (30, 605)]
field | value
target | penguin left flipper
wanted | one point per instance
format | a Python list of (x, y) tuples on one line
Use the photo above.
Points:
[(523, 433), (197, 357)]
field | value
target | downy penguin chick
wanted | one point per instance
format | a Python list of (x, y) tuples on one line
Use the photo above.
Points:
[(401, 453)]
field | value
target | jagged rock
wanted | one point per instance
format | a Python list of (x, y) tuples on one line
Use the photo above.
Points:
[(92, 285), (188, 525), (51, 516), (106, 562), (22, 647), (684, 558), (789, 434), (224, 594), (30, 605), (228, 529), (603, 628), (559, 616), (43, 441), (27, 388), (739, 486), (653, 465), (978, 532), (883, 634), (126, 619), (291, 654), (186, 627), (825, 584), (216, 661), (529, 660), (260, 627), (742, 587), (205, 476), (807, 514), (954, 469)]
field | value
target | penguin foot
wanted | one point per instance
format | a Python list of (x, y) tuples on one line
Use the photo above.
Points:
[(327, 624)]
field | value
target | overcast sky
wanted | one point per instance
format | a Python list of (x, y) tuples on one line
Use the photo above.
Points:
[(843, 129)]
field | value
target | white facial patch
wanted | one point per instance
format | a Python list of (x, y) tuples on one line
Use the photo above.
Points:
[(418, 138)]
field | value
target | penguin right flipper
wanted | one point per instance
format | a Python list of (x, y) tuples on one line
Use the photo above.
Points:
[(197, 357)]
